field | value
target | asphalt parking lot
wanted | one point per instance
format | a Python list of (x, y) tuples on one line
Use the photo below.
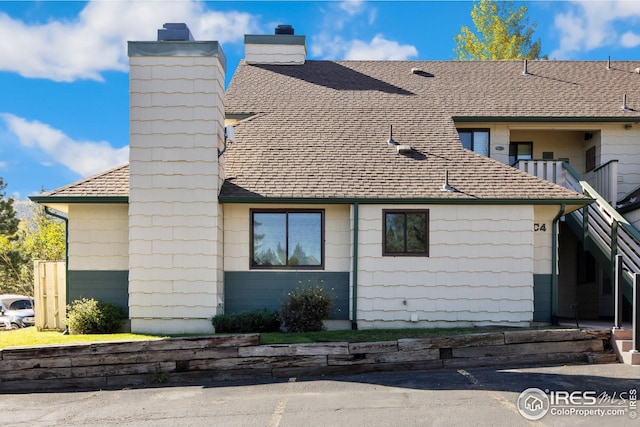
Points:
[(476, 397)]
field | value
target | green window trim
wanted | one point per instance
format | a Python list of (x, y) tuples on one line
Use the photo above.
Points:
[(405, 232), (292, 239)]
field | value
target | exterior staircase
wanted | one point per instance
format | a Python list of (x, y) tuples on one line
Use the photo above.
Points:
[(609, 237), (622, 343)]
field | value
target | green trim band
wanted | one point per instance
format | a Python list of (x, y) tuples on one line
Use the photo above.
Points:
[(629, 208), (545, 119), (178, 48), (604, 165), (286, 39), (80, 199), (376, 201)]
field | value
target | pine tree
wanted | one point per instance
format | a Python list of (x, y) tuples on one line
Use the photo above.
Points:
[(8, 220)]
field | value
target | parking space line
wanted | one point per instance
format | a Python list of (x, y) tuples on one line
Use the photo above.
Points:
[(278, 412)]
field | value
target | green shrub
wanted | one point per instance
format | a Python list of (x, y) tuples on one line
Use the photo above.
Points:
[(304, 308), (247, 321), (89, 316)]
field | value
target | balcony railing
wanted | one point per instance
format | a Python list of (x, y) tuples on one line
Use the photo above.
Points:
[(602, 224), (605, 180)]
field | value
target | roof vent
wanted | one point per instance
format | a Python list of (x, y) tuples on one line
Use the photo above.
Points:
[(526, 72), (625, 107), (416, 70), (637, 70), (390, 141), (446, 186), (609, 63), (284, 29), (404, 149), (175, 32)]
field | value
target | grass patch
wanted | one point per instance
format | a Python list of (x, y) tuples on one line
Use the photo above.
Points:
[(31, 337), (373, 335)]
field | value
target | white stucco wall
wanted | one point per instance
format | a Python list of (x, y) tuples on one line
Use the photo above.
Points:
[(623, 145), (237, 234), (479, 271), (543, 238), (294, 54), (175, 221), (634, 218), (98, 237)]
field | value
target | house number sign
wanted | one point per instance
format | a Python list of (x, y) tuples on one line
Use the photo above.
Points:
[(539, 227)]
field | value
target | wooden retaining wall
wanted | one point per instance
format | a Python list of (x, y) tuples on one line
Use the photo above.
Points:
[(231, 357)]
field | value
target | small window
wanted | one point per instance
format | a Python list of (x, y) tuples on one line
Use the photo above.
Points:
[(590, 159), (475, 140), (291, 239), (520, 151), (406, 233)]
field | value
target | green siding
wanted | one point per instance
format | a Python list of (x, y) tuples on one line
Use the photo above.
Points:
[(542, 297), (256, 290), (109, 286)]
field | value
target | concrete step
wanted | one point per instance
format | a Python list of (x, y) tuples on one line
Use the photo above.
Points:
[(622, 334), (625, 345), (622, 343), (631, 358)]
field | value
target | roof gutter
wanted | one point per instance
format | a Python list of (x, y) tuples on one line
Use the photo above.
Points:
[(66, 250), (354, 274), (80, 199), (554, 265), (541, 119), (580, 202)]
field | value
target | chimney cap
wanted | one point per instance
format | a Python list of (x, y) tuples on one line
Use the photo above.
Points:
[(175, 32), (284, 29)]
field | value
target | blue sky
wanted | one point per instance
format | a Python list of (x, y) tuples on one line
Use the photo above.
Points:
[(63, 65)]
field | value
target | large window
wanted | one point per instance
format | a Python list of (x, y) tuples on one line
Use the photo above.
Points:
[(287, 239), (475, 140), (406, 232)]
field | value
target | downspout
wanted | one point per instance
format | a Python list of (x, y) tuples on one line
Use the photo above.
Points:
[(354, 275), (66, 250), (554, 265)]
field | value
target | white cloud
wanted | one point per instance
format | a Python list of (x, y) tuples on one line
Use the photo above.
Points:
[(96, 40), (327, 45), (630, 40), (3, 165), (379, 48), (83, 157), (588, 25), (352, 7)]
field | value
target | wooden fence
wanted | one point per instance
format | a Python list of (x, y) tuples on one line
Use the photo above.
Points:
[(50, 295)]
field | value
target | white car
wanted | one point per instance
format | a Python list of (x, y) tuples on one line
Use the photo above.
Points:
[(17, 311)]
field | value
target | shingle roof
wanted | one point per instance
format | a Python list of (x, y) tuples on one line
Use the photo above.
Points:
[(111, 183), (319, 130)]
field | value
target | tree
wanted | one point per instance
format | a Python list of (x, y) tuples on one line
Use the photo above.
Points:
[(503, 32), (8, 221), (11, 258), (21, 242), (44, 236)]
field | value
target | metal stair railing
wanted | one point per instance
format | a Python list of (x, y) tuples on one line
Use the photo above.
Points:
[(604, 227)]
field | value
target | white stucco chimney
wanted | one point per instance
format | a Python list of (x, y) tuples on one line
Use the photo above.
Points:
[(282, 48), (175, 222)]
